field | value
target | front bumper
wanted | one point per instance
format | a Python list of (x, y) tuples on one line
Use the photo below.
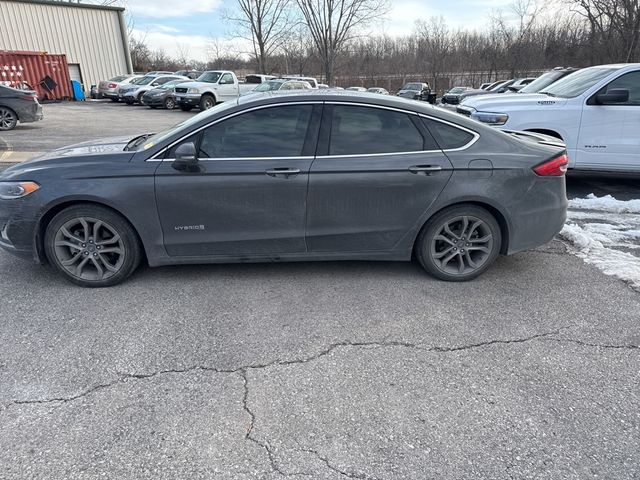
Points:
[(153, 101), (191, 99), (18, 228)]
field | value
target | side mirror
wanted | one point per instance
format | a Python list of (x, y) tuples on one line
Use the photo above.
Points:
[(615, 95), (186, 158)]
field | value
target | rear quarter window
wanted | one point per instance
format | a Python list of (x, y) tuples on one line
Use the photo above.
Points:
[(448, 136)]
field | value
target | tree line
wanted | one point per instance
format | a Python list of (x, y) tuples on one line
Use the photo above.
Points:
[(336, 41)]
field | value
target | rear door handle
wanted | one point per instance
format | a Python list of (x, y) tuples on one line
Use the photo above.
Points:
[(282, 172), (426, 169)]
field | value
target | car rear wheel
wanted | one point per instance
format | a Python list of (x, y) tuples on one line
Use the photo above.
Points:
[(459, 243), (92, 246), (169, 104), (207, 102), (8, 119)]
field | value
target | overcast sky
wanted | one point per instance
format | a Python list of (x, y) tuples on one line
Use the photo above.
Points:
[(167, 24)]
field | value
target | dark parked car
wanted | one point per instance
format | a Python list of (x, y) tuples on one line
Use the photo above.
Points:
[(452, 97), (415, 91), (302, 176), (162, 96), (18, 106)]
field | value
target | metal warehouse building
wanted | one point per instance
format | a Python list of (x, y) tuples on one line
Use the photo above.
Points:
[(93, 37)]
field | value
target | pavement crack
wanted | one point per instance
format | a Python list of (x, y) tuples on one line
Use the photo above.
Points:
[(330, 466), (497, 342), (595, 345)]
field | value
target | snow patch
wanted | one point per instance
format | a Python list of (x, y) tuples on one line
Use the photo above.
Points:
[(605, 204), (598, 227)]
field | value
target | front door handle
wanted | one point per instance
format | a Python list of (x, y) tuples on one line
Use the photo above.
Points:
[(426, 169), (282, 172)]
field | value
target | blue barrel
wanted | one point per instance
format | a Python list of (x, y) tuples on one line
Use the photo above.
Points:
[(78, 93)]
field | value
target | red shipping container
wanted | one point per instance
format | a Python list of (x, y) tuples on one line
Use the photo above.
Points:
[(36, 70)]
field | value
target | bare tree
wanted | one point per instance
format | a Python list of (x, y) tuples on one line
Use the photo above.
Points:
[(333, 23), (265, 23)]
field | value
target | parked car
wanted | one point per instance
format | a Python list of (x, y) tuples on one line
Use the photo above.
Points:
[(415, 91), (485, 85), (257, 78), (499, 87), (378, 90), (109, 88), (452, 97), (281, 84), (133, 93), (356, 89), (162, 96), (209, 89), (312, 81), (18, 106), (192, 74), (200, 192), (323, 85), (547, 79), (595, 111), (520, 83)]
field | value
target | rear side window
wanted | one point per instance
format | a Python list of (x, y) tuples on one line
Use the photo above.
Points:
[(367, 130), (448, 136)]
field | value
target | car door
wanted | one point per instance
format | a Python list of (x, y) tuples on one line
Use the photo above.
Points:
[(378, 170), (248, 195), (227, 88), (608, 137)]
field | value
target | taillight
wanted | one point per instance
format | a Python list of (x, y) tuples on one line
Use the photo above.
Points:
[(112, 85), (556, 167)]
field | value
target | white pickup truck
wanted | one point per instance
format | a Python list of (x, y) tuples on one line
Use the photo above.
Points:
[(212, 87), (595, 111)]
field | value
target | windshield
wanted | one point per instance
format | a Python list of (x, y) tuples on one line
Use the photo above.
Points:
[(500, 85), (119, 78), (457, 90), (209, 77), (268, 87), (136, 81), (412, 86), (145, 80), (577, 83), (159, 137), (170, 84), (542, 81)]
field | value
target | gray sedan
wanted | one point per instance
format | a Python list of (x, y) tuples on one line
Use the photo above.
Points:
[(18, 106), (319, 175)]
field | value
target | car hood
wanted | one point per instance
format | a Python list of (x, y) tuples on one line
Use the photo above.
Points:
[(195, 85), (499, 101)]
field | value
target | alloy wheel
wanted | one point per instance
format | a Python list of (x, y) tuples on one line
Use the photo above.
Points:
[(462, 245), (169, 104), (89, 249), (8, 119)]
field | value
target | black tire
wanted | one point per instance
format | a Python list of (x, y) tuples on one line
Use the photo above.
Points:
[(8, 119), (207, 102), (169, 103), (153, 106), (139, 98), (114, 100), (459, 243), (129, 102), (186, 108), (101, 240)]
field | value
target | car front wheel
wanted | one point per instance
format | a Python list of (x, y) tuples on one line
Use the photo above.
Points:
[(169, 103), (459, 243), (8, 119), (207, 102), (92, 246)]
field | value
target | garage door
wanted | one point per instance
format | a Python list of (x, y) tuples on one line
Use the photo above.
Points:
[(74, 72)]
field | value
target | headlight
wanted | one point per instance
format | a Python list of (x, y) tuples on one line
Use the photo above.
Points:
[(490, 118), (193, 90), (11, 190)]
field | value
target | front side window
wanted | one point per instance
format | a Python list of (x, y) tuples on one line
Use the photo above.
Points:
[(226, 79), (367, 130), (629, 81), (267, 132)]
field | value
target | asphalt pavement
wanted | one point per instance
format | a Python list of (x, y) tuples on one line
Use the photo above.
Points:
[(364, 370)]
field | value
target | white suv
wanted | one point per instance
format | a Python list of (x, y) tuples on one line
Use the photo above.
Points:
[(595, 111)]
